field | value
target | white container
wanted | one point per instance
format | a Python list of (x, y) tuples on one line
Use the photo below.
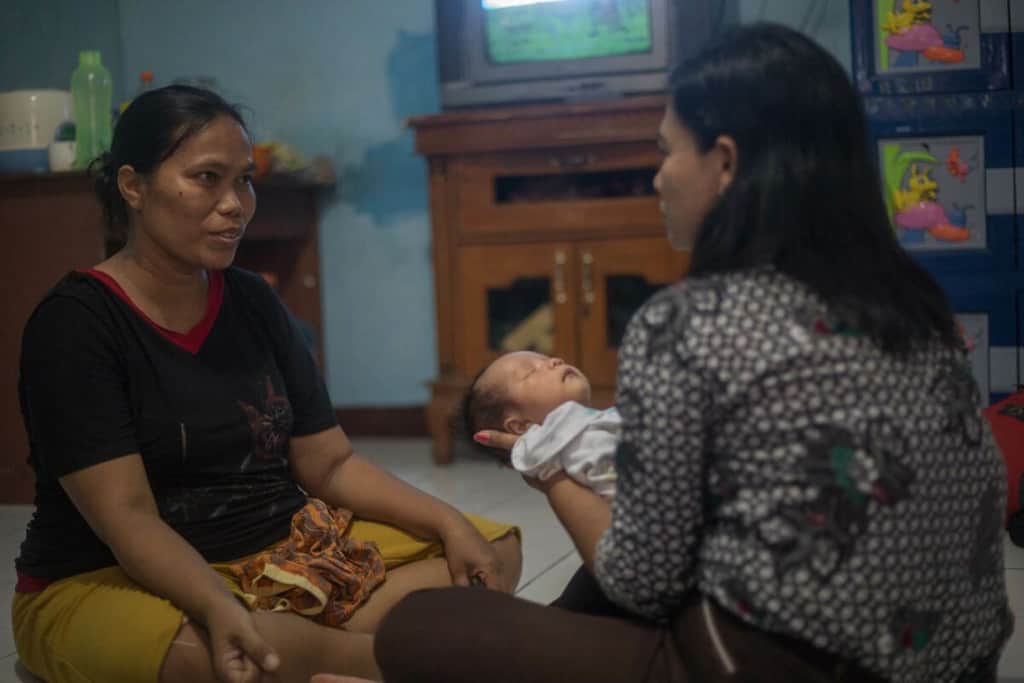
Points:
[(29, 118), (62, 155)]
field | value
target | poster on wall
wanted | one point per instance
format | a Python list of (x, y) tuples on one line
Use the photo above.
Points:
[(915, 36), (935, 191)]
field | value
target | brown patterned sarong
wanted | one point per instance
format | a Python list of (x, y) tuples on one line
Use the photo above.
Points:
[(318, 572)]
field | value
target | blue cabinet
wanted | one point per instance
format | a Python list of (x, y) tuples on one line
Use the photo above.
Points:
[(944, 93), (1017, 42)]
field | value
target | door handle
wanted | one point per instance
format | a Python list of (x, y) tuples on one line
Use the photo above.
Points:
[(560, 296), (587, 284)]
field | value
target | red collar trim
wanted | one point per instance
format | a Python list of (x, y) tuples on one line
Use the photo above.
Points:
[(192, 340), (30, 584)]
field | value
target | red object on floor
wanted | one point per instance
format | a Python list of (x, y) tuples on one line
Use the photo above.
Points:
[(1007, 420)]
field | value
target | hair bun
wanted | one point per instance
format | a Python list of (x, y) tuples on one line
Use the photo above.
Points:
[(102, 168)]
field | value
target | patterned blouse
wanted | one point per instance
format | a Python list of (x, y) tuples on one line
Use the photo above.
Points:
[(806, 481)]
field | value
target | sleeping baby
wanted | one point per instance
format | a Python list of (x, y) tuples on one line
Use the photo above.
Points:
[(544, 401)]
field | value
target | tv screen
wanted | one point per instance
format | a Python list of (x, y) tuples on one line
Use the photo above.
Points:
[(520, 31), (518, 51)]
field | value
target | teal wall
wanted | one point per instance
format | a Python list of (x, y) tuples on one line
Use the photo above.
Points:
[(334, 77), (827, 21), (42, 38)]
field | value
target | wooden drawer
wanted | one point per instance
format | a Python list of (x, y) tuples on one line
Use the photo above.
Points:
[(557, 193)]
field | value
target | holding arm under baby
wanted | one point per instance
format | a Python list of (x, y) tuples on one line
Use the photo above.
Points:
[(543, 401)]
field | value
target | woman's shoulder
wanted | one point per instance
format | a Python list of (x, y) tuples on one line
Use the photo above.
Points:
[(76, 291), (719, 293), (722, 313), (77, 302)]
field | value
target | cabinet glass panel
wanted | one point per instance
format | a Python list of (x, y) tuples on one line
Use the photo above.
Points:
[(625, 294), (571, 187), (520, 317)]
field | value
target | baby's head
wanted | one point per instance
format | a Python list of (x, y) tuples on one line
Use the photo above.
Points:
[(519, 389)]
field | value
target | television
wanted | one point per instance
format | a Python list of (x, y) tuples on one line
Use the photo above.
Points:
[(517, 51)]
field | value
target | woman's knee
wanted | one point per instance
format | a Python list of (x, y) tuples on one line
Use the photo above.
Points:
[(402, 643), (510, 552)]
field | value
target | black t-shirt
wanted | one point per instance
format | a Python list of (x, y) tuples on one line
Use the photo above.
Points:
[(98, 382)]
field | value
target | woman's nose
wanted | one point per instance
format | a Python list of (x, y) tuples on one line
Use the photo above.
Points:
[(230, 204)]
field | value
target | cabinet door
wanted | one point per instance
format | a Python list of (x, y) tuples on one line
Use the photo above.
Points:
[(615, 278), (512, 298), (52, 225)]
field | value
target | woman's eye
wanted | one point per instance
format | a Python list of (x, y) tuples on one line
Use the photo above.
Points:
[(208, 177), (246, 179)]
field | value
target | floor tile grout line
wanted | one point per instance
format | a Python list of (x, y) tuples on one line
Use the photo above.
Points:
[(504, 501), (545, 571)]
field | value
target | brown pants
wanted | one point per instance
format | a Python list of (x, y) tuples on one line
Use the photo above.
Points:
[(470, 635)]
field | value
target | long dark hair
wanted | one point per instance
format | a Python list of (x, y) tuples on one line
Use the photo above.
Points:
[(806, 197), (149, 131)]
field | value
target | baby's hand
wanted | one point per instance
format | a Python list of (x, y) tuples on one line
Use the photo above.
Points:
[(545, 485), (492, 438)]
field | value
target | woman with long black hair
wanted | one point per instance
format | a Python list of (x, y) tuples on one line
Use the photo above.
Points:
[(807, 491)]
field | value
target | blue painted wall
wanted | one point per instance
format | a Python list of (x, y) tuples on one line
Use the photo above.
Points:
[(337, 78), (42, 38)]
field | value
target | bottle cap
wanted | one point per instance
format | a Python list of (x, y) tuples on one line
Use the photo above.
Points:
[(89, 57), (146, 76)]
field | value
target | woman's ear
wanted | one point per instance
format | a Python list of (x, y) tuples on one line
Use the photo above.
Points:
[(728, 158), (130, 184), (514, 424)]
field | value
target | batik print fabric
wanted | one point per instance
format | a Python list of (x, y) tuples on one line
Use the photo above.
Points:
[(776, 460), (318, 572)]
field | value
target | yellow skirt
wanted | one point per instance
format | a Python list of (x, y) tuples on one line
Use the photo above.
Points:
[(102, 627)]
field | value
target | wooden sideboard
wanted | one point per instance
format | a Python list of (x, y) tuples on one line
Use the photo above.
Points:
[(53, 224), (546, 236)]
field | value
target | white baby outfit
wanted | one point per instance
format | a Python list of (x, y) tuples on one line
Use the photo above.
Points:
[(576, 439)]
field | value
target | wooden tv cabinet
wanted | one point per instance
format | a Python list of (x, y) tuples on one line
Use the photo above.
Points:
[(546, 236)]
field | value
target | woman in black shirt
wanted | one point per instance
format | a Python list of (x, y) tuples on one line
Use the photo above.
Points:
[(193, 488)]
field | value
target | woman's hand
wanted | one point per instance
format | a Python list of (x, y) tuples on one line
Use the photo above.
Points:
[(471, 559), (493, 438), (237, 651)]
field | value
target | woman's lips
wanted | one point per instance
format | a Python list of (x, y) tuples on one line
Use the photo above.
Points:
[(230, 236)]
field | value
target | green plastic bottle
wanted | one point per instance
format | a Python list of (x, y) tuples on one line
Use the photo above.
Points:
[(92, 93)]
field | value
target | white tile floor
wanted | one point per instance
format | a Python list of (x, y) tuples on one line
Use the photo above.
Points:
[(474, 484)]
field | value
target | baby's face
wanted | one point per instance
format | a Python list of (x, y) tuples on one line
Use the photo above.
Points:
[(537, 384)]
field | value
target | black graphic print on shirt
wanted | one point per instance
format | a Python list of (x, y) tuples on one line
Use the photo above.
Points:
[(270, 424)]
